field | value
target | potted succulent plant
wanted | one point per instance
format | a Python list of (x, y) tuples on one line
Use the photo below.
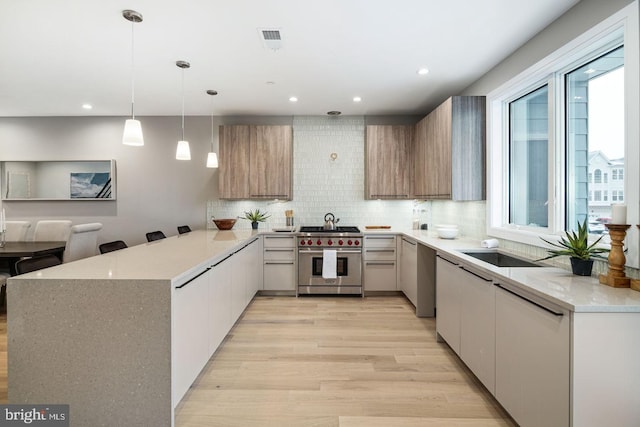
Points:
[(255, 217), (576, 246)]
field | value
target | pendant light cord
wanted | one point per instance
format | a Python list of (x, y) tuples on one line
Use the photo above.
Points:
[(133, 70), (212, 124), (183, 104)]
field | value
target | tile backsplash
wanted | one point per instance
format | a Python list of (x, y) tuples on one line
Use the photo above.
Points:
[(323, 184)]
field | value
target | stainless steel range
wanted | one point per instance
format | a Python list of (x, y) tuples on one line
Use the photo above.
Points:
[(343, 249)]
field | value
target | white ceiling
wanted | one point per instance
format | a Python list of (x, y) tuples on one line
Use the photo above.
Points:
[(57, 55)]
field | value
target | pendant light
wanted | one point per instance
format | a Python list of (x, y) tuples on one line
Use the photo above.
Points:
[(132, 134), (212, 157), (183, 152)]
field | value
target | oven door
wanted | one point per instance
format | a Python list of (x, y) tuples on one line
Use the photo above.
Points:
[(348, 269)]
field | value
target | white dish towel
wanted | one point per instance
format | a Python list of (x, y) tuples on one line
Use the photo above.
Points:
[(490, 243), (329, 264)]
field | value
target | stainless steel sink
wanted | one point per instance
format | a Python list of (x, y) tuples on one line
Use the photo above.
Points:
[(500, 259)]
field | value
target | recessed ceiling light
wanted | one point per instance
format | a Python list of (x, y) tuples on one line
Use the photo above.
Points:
[(293, 99), (423, 71), (357, 99), (270, 83), (590, 71), (87, 106)]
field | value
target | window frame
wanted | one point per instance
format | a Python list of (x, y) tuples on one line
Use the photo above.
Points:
[(619, 29)]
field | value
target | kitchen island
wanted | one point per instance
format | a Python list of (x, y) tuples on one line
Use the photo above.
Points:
[(121, 336)]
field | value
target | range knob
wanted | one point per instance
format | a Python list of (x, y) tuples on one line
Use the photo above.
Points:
[(357, 243), (330, 242), (319, 242), (302, 242), (349, 242), (309, 242), (340, 242)]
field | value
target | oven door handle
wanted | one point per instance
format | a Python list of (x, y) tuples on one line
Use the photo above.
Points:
[(339, 251)]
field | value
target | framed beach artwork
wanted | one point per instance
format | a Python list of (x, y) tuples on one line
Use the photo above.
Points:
[(90, 185)]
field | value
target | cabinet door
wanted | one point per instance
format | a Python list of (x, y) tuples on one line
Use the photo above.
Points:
[(254, 268), (233, 172), (438, 137), (409, 270), (380, 275), (271, 161), (219, 303), (421, 157), (189, 335), (238, 284), (279, 276), (448, 302), (477, 326), (389, 164), (532, 360)]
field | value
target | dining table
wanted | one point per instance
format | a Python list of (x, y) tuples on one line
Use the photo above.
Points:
[(11, 252)]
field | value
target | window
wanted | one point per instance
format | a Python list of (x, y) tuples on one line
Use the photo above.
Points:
[(528, 159), (558, 139), (597, 177), (594, 103)]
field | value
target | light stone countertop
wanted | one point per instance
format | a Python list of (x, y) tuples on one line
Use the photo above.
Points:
[(174, 258), (179, 257)]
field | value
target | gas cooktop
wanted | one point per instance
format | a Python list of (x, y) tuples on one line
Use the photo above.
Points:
[(320, 229)]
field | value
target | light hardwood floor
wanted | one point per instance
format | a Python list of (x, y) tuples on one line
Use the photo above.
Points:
[(316, 361), (348, 362)]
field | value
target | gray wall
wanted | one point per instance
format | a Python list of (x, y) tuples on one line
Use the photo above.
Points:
[(154, 191), (574, 22)]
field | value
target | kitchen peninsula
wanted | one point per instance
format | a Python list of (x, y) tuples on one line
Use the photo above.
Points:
[(121, 336)]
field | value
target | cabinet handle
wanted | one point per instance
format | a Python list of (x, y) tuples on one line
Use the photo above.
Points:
[(476, 274), (193, 278), (444, 259), (379, 237), (409, 241), (391, 196), (222, 260), (275, 196), (278, 237), (282, 262), (379, 263), (379, 250), (279, 250), (554, 312)]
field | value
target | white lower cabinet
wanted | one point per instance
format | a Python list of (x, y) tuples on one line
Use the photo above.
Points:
[(409, 269), (219, 314), (448, 302), (279, 258), (466, 316), (380, 264), (532, 360), (190, 337)]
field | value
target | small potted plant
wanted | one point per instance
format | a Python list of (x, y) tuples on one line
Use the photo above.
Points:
[(255, 217), (576, 246)]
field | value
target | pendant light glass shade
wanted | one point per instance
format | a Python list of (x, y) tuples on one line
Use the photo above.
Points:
[(212, 160), (212, 157), (183, 152), (132, 134)]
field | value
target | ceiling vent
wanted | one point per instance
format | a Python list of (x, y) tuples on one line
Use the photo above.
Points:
[(271, 38)]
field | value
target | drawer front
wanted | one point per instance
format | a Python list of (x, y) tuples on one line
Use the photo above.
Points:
[(379, 254), (380, 241), (279, 254), (279, 241)]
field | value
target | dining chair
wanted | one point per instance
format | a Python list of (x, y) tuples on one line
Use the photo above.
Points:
[(183, 229), (116, 245), (82, 242), (16, 231), (52, 231), (155, 235), (27, 265)]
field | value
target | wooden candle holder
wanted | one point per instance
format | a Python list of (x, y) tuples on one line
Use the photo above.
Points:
[(615, 277), (635, 283)]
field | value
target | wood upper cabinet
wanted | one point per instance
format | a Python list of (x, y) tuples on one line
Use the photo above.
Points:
[(389, 162), (270, 162), (255, 162), (450, 151)]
